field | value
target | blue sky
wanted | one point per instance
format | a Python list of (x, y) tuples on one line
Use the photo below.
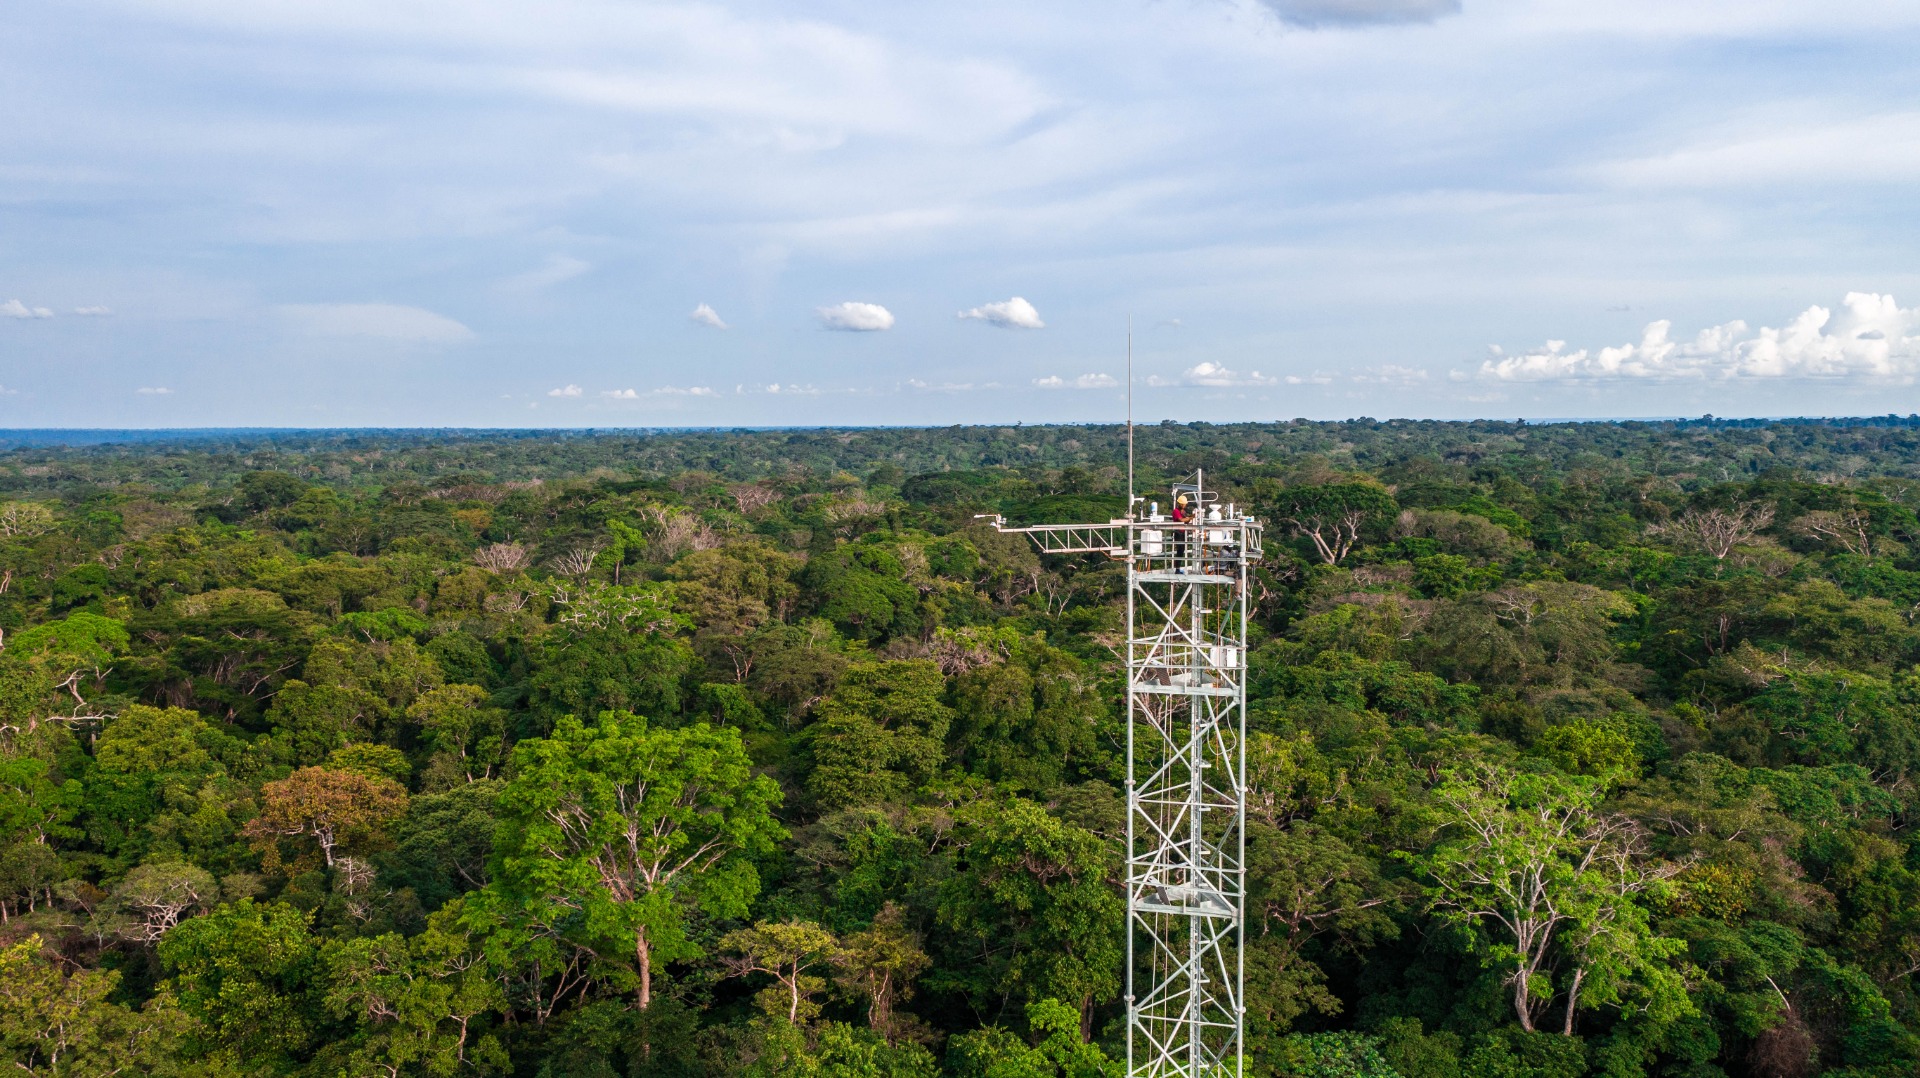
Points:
[(613, 213)]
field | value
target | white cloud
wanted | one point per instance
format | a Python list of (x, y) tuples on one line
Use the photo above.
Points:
[(1317, 378), (1015, 313), (554, 270), (1085, 381), (1213, 376), (1389, 374), (662, 391), (154, 391), (13, 308), (1871, 338), (386, 321), (707, 316), (92, 312), (856, 317), (568, 390)]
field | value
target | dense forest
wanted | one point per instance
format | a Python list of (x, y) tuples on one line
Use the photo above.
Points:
[(1577, 749)]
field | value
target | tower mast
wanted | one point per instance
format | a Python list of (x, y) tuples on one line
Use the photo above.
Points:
[(1187, 588)]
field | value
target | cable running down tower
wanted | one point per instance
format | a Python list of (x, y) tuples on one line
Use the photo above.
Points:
[(1187, 584)]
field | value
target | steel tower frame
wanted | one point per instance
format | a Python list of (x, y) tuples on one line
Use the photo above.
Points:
[(1187, 596)]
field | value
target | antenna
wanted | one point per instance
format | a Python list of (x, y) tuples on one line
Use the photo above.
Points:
[(1130, 498)]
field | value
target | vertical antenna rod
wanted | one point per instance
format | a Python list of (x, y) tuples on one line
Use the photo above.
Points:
[(1129, 413)]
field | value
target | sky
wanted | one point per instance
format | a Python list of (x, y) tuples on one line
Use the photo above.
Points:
[(619, 213)]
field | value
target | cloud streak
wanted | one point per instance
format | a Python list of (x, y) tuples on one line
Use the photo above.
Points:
[(1317, 14), (555, 270), (380, 321), (704, 315), (1871, 338)]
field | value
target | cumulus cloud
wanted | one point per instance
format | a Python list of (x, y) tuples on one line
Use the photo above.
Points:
[(662, 391), (1015, 313), (154, 391), (1085, 381), (856, 317), (1871, 337), (707, 316), (1322, 13), (568, 390), (1213, 375), (92, 312), (779, 389), (13, 308), (384, 321)]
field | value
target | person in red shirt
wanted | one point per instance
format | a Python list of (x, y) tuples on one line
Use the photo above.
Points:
[(1181, 515)]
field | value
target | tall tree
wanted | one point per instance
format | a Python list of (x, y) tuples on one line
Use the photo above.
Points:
[(619, 831), (880, 964), (881, 734), (788, 952), (1034, 910), (1333, 517), (1532, 861), (333, 808)]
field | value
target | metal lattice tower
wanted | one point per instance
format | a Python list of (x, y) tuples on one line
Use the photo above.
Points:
[(1187, 587)]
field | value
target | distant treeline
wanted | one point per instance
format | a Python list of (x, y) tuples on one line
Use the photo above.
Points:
[(1691, 451)]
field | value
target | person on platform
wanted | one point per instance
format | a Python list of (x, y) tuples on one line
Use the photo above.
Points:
[(1182, 516)]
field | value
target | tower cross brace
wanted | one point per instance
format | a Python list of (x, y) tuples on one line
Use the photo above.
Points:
[(1185, 875)]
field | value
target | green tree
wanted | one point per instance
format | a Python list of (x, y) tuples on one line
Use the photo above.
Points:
[(994, 1053), (1029, 719), (468, 739), (419, 1004), (880, 964), (618, 831), (1333, 517), (880, 735), (786, 952), (57, 1022), (252, 979), (1033, 909), (590, 670), (1530, 861), (862, 589)]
